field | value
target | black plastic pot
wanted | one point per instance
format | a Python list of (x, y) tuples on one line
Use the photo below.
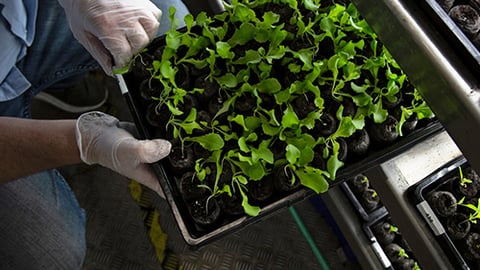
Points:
[(458, 21)]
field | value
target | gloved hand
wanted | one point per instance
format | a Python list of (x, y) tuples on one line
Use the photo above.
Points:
[(115, 29), (103, 139)]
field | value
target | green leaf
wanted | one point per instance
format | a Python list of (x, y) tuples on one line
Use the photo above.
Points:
[(210, 141), (263, 153), (242, 13), (290, 118), (243, 34), (202, 19), (269, 86), (275, 53), (229, 80), (254, 171), (225, 189), (190, 126), (327, 25), (252, 123), (292, 154), (362, 98), (306, 156), (173, 39), (348, 126), (313, 178), (239, 119), (423, 111), (311, 5), (121, 70), (225, 107), (294, 68), (379, 114), (200, 171), (241, 179), (223, 50), (333, 163), (242, 144), (172, 19), (189, 21), (282, 96), (251, 57), (270, 18), (249, 209), (173, 109), (270, 130), (309, 121), (306, 56), (167, 70)]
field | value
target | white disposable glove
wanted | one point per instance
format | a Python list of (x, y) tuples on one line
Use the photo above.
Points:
[(103, 139), (112, 30)]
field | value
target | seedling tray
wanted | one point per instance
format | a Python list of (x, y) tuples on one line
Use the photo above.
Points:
[(365, 214), (380, 243), (196, 235), (452, 32), (375, 218), (374, 244), (419, 193)]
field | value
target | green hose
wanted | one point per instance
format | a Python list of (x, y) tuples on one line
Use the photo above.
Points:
[(309, 239)]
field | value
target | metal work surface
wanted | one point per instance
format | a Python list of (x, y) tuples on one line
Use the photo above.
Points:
[(447, 80)]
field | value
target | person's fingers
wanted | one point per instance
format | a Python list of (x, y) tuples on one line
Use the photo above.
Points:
[(96, 48), (145, 175), (154, 150)]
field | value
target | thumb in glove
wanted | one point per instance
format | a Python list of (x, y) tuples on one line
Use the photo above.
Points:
[(102, 140)]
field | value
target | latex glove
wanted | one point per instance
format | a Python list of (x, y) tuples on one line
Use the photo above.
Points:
[(102, 139), (115, 29)]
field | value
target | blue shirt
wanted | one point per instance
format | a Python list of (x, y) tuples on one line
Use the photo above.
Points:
[(17, 30)]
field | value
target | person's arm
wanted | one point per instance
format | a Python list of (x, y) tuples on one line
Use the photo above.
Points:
[(28, 146)]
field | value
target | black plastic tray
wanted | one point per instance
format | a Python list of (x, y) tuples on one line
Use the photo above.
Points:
[(361, 211), (450, 30), (195, 236), (370, 219), (418, 194), (374, 244), (375, 218)]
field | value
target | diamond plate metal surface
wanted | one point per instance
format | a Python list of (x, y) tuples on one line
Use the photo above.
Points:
[(117, 237), (273, 243)]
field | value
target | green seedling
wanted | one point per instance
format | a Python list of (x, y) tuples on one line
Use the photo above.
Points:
[(330, 54)]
